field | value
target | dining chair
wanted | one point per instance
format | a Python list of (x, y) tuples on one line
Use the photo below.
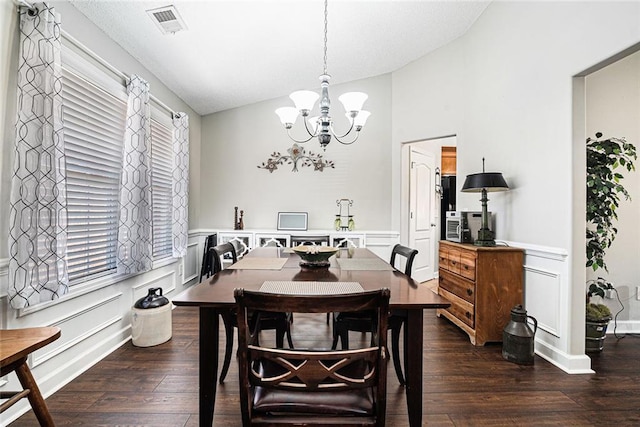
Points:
[(312, 386), (261, 321), (309, 240), (15, 347), (206, 270), (361, 322)]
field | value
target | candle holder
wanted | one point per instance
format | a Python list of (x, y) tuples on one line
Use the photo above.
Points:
[(344, 220)]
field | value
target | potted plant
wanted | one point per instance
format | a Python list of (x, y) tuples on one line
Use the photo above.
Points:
[(604, 192), (597, 315)]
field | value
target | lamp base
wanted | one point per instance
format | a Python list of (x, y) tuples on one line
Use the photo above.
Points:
[(485, 238)]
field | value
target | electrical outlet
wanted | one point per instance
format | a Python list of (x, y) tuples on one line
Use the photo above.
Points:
[(608, 294), (638, 293), (180, 269)]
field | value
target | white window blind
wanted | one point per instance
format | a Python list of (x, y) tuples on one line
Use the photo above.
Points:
[(94, 123), (161, 188)]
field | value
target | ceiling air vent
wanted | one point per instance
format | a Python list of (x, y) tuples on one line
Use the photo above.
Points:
[(167, 19)]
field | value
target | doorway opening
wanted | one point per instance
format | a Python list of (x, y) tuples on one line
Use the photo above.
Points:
[(606, 99), (427, 166)]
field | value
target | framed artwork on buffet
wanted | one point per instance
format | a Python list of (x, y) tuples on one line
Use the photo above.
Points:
[(295, 221)]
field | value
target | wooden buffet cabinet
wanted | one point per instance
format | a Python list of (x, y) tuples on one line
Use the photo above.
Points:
[(483, 284)]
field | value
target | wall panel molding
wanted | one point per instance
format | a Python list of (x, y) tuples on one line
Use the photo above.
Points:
[(76, 341), (547, 293), (547, 284), (85, 310), (191, 261)]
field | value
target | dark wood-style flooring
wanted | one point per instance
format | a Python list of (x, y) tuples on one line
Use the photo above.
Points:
[(463, 385)]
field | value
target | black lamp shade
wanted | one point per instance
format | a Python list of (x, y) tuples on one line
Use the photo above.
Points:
[(489, 181)]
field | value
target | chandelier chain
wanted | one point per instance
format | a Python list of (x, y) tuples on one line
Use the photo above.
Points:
[(326, 2)]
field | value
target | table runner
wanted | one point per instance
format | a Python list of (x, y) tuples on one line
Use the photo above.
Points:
[(255, 263), (310, 288), (363, 264)]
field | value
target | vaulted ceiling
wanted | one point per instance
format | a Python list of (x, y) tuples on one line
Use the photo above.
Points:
[(239, 52)]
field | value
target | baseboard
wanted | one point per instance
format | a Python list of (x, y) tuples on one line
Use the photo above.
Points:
[(622, 327), (571, 364)]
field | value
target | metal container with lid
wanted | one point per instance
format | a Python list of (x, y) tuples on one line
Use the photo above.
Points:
[(518, 337), (151, 319)]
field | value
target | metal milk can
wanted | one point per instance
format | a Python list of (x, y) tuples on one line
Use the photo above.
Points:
[(518, 337)]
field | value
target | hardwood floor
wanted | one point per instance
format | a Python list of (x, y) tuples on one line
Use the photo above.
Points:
[(463, 385)]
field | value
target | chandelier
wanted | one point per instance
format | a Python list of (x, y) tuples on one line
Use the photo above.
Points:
[(322, 126)]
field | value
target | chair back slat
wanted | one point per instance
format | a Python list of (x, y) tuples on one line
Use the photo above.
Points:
[(314, 370), (219, 251), (406, 252)]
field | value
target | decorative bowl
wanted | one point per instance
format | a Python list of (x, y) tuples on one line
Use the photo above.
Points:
[(315, 256)]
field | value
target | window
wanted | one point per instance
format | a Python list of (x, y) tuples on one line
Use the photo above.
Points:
[(94, 113), (161, 189), (94, 123)]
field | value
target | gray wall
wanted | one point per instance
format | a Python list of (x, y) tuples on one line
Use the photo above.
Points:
[(236, 141), (506, 90)]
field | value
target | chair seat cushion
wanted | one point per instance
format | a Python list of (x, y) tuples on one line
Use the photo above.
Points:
[(276, 400), (352, 402)]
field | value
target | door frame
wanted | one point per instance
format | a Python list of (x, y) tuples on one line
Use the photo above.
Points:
[(405, 210)]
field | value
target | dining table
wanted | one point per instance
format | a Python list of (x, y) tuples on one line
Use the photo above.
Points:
[(281, 267)]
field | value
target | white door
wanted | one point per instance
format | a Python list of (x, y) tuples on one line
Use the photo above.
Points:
[(422, 223)]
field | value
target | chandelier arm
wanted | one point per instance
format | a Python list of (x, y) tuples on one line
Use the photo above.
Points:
[(343, 135), (313, 135), (344, 142), (300, 141)]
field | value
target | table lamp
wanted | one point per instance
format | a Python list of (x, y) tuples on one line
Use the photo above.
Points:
[(482, 183)]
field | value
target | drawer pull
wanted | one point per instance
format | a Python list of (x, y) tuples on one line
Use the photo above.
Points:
[(453, 262), (466, 267), (468, 315), (469, 291)]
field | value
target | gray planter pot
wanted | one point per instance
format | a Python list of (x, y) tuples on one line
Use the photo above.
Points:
[(595, 334)]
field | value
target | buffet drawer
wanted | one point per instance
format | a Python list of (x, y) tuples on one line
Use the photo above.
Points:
[(468, 265), (453, 260), (458, 286), (460, 308)]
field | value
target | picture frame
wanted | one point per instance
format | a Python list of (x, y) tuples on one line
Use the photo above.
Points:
[(292, 221)]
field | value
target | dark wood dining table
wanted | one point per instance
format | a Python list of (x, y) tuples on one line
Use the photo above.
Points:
[(214, 296)]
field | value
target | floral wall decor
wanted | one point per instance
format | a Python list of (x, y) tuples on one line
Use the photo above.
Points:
[(296, 154)]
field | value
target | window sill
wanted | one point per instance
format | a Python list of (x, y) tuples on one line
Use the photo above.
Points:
[(93, 285)]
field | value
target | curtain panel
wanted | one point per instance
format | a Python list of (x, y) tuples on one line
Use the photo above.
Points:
[(38, 211), (134, 253), (180, 184)]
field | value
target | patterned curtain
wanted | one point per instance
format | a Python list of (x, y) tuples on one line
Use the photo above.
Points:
[(180, 184), (134, 230), (38, 211)]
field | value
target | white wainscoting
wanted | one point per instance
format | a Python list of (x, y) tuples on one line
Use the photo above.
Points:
[(540, 284), (546, 297), (192, 261), (95, 319)]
